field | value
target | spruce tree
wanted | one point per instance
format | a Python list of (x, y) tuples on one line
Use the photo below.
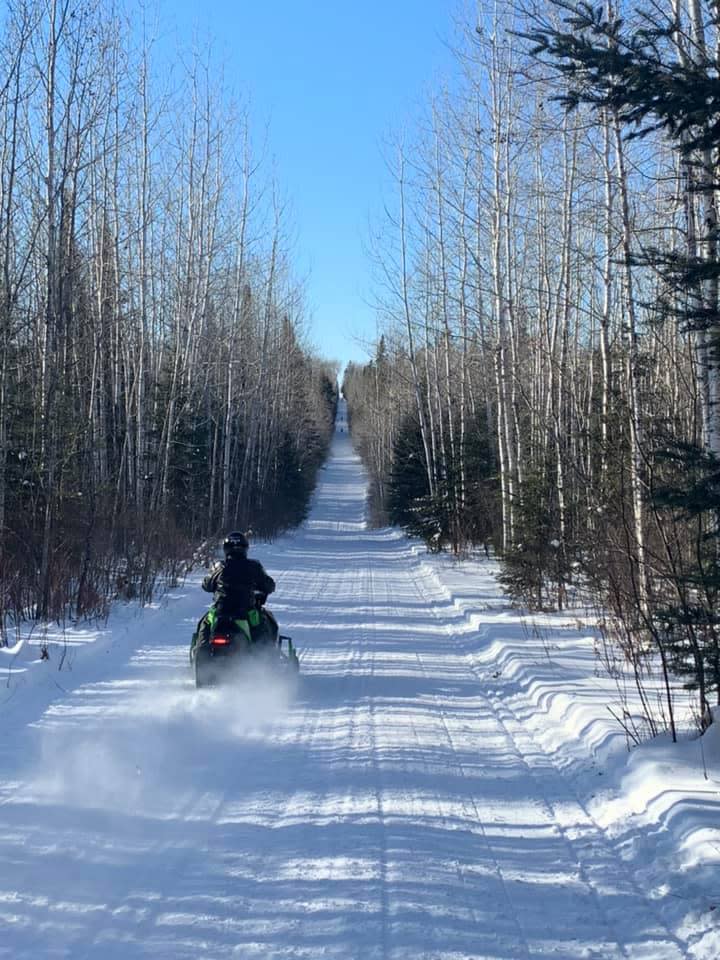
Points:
[(656, 73)]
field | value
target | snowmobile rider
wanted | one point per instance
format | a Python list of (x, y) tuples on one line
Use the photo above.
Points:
[(234, 583)]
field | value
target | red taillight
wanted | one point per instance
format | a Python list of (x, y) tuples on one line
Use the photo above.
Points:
[(221, 641)]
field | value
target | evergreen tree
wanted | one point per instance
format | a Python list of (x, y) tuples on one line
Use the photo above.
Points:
[(410, 503), (687, 612), (658, 73)]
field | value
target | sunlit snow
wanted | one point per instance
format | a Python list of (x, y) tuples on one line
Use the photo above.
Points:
[(443, 782)]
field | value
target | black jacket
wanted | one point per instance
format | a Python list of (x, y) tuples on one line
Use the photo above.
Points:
[(234, 583)]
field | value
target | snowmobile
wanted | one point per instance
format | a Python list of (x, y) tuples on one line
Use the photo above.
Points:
[(234, 642)]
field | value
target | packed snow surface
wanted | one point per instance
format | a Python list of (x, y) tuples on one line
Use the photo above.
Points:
[(443, 782)]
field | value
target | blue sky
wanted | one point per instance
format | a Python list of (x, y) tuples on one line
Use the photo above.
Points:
[(333, 79)]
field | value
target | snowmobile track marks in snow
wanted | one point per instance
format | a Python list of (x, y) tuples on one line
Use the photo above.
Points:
[(391, 810)]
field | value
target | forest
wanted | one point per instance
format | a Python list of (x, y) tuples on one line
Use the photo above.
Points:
[(462, 697), (545, 378), (155, 388)]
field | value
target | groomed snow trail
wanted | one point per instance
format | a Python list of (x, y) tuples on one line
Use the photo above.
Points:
[(391, 807)]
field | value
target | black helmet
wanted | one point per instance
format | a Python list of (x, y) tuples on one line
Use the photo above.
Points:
[(236, 544)]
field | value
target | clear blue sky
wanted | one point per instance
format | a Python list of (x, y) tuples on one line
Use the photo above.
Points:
[(334, 79)]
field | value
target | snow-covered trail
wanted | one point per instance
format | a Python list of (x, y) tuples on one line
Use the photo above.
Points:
[(392, 807)]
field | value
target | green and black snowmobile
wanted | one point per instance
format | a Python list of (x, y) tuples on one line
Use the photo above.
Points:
[(223, 646)]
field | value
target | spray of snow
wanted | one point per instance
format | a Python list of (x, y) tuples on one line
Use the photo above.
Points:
[(120, 750)]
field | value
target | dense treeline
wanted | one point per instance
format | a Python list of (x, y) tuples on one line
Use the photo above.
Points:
[(154, 387), (547, 380)]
